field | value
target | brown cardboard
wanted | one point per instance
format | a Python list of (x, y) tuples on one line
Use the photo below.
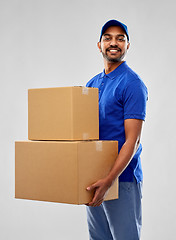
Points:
[(63, 113), (58, 171)]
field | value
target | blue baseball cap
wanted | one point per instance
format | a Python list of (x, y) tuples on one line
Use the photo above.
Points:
[(114, 22)]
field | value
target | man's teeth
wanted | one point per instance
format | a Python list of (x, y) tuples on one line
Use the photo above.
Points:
[(113, 50)]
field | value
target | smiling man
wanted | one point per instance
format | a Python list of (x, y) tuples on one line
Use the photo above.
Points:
[(122, 110)]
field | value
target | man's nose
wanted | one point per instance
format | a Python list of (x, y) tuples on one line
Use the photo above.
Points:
[(114, 42)]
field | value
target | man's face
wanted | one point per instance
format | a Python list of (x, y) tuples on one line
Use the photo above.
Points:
[(114, 44)]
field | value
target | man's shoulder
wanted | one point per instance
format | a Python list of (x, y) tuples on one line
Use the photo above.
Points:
[(131, 74), (92, 80), (132, 77)]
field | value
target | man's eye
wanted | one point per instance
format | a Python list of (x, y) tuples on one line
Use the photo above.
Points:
[(121, 39), (107, 39)]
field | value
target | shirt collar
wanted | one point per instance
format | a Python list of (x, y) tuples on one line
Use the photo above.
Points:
[(115, 72)]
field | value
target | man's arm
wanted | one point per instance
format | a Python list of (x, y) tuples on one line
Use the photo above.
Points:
[(133, 129)]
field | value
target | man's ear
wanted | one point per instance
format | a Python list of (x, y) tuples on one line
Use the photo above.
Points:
[(99, 46), (128, 45)]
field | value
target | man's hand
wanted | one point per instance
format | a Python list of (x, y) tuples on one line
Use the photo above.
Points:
[(101, 188)]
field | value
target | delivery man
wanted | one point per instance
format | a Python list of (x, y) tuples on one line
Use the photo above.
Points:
[(122, 110)]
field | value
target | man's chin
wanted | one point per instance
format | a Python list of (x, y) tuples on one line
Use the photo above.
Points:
[(113, 60)]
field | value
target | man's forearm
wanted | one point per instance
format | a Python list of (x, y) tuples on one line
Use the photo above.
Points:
[(125, 155), (132, 133)]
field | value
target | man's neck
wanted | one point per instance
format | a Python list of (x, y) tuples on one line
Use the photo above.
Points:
[(109, 66)]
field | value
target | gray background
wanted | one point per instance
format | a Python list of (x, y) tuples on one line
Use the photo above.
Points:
[(52, 43)]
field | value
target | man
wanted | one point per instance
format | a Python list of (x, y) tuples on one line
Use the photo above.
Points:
[(122, 109)]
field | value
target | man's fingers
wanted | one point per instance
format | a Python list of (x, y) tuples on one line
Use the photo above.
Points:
[(91, 187), (99, 193), (96, 199), (98, 203), (92, 202)]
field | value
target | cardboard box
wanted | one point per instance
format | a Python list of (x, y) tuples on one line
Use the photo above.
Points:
[(63, 113), (58, 171)]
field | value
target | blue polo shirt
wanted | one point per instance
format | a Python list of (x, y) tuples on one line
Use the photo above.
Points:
[(122, 95)]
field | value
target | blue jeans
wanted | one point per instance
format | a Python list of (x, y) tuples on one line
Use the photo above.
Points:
[(119, 219)]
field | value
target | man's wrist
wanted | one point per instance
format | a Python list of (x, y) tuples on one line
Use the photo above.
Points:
[(110, 180)]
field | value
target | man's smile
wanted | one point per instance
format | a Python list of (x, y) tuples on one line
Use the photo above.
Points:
[(112, 50)]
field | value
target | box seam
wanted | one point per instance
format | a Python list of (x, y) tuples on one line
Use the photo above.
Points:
[(71, 99), (78, 177)]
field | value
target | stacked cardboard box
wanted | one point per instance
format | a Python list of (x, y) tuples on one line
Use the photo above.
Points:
[(63, 155)]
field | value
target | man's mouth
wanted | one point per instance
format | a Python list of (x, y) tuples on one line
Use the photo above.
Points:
[(113, 50)]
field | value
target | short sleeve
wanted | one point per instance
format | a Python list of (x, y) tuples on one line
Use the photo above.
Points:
[(88, 84), (93, 82), (134, 99)]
